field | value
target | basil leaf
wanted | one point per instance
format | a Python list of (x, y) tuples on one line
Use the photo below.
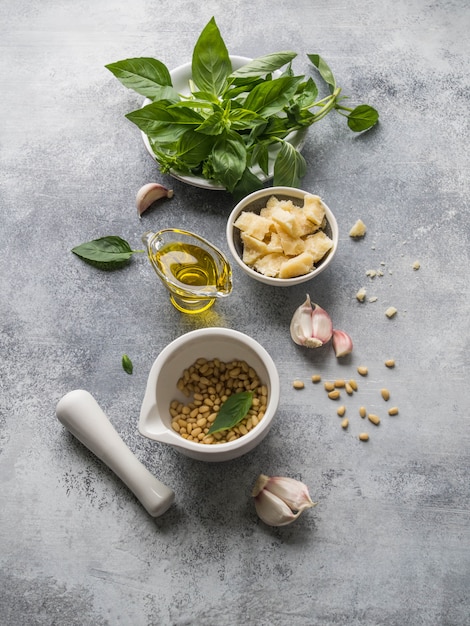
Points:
[(105, 250), (229, 159), (248, 183), (232, 411), (323, 68), (264, 65), (144, 75), (260, 156), (127, 364), (193, 148), (362, 117), (269, 98), (289, 166), (210, 62), (154, 116), (215, 124)]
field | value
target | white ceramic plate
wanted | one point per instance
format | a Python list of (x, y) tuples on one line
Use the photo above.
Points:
[(180, 77)]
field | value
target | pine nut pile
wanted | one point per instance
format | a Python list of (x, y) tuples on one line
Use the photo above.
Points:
[(210, 383)]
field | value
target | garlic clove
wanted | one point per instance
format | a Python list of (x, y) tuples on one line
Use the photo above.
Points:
[(150, 193), (322, 326), (272, 510), (293, 492), (311, 326), (279, 500), (342, 343)]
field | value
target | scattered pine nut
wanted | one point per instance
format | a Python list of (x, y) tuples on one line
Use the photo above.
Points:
[(385, 394), (334, 395), (364, 437), (329, 386), (375, 419), (353, 384), (316, 378), (298, 384), (340, 383), (362, 370), (349, 389), (341, 410), (345, 423), (390, 363), (393, 410), (362, 411)]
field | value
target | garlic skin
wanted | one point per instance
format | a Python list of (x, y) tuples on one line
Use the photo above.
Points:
[(342, 343), (150, 193), (311, 326), (280, 500)]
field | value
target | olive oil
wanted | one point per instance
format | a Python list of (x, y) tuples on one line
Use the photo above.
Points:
[(188, 264), (194, 271)]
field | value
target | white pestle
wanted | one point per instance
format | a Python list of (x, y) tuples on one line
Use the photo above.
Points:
[(79, 412)]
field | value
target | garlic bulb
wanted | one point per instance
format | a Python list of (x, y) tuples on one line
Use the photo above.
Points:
[(311, 326), (280, 500)]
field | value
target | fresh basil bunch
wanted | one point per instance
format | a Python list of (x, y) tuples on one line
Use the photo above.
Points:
[(231, 119)]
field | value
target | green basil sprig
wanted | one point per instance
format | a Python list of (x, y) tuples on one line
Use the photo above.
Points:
[(232, 411), (231, 119), (108, 253)]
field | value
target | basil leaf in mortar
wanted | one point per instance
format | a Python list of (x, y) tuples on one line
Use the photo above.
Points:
[(232, 411)]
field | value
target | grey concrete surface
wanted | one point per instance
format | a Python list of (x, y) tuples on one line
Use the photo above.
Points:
[(389, 541)]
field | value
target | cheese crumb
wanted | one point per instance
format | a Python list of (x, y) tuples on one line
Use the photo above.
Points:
[(358, 229), (416, 265), (391, 311), (361, 294)]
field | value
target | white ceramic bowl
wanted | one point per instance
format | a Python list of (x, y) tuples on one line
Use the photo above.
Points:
[(180, 78), (224, 344), (255, 202)]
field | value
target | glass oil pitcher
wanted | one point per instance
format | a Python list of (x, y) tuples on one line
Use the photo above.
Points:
[(194, 271)]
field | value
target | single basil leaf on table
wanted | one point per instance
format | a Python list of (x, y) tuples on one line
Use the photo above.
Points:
[(108, 252), (362, 118), (127, 364), (144, 75), (232, 411), (211, 62)]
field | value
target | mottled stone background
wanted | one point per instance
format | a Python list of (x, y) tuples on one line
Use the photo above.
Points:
[(389, 542)]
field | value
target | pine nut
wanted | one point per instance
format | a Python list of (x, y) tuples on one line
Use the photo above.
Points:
[(341, 410), (353, 384), (364, 437), (298, 384), (329, 386), (345, 423), (393, 410), (362, 411), (385, 394), (389, 363), (316, 378), (334, 395), (362, 370), (375, 419), (340, 383), (349, 389)]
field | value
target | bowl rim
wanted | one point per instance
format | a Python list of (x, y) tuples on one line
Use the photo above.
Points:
[(169, 436), (293, 192)]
